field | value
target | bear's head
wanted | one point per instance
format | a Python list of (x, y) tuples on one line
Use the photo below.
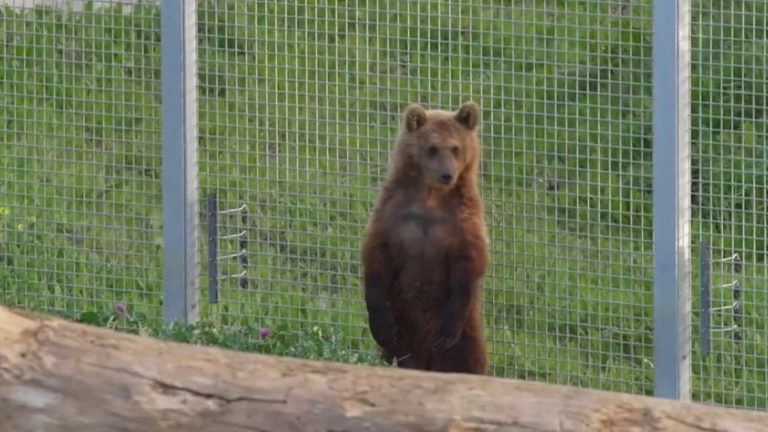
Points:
[(438, 148)]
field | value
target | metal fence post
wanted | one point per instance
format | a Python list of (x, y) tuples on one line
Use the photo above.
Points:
[(671, 198), (180, 183)]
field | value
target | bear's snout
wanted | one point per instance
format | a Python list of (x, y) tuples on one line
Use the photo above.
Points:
[(446, 178)]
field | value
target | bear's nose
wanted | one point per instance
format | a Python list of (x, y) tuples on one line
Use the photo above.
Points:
[(446, 178)]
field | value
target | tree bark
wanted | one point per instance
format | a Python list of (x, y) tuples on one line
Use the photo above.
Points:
[(61, 376)]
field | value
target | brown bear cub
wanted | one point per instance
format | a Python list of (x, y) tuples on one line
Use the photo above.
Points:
[(425, 249)]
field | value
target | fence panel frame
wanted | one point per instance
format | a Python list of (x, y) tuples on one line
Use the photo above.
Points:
[(672, 198), (180, 162)]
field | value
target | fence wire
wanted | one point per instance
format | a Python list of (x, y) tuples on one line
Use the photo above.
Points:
[(730, 198), (80, 158), (299, 106)]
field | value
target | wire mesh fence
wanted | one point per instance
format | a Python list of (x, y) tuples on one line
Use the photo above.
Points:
[(290, 152), (80, 157), (731, 200), (298, 106)]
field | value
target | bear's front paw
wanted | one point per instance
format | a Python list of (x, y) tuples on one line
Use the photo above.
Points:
[(386, 339), (444, 339), (383, 331)]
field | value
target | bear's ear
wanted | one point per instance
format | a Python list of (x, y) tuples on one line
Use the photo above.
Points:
[(468, 115), (414, 117)]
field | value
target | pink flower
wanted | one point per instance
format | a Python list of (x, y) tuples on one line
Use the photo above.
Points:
[(121, 309), (265, 332)]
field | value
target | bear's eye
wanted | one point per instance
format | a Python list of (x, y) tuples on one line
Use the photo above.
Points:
[(455, 150), (432, 151)]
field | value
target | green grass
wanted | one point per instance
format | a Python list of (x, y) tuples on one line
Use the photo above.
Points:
[(298, 105)]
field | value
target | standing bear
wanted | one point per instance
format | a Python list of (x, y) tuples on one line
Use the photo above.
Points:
[(425, 249)]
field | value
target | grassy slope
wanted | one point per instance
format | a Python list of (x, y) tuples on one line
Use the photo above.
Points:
[(298, 105)]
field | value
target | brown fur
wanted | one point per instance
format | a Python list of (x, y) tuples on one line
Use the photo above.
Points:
[(425, 247)]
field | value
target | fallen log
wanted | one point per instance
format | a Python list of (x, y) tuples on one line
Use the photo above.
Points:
[(61, 376)]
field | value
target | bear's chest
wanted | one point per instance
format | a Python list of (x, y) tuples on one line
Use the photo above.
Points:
[(425, 234), (423, 242)]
